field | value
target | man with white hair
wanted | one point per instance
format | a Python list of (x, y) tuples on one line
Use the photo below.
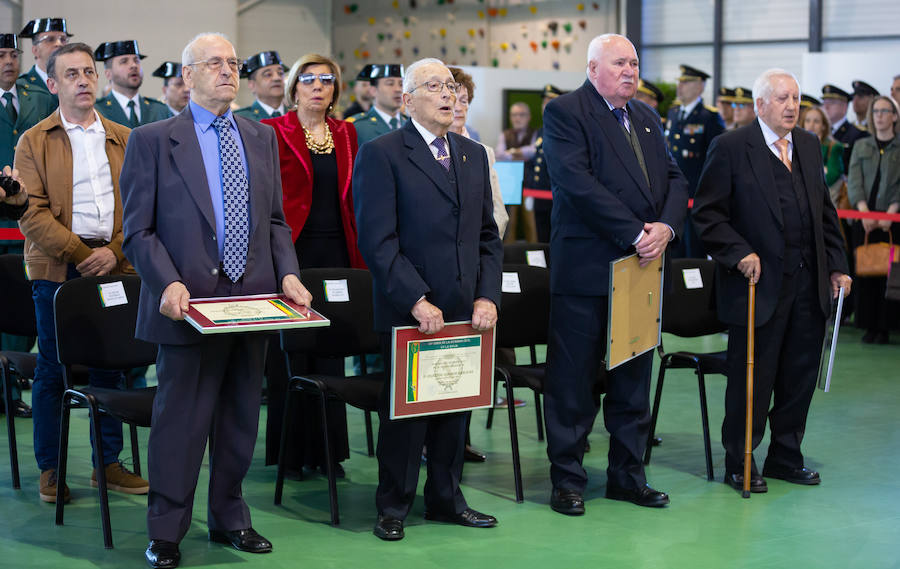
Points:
[(193, 186), (764, 213), (424, 212), (616, 191)]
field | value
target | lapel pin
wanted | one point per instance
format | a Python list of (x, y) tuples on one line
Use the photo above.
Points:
[(647, 128), (464, 157)]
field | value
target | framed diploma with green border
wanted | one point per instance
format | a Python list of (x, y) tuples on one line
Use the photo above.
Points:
[(446, 372), (255, 313)]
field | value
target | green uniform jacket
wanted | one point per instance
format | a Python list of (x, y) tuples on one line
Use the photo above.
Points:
[(34, 106), (370, 125), (833, 157), (253, 112), (151, 110), (33, 82)]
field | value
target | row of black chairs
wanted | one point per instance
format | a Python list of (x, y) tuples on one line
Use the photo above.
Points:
[(97, 336)]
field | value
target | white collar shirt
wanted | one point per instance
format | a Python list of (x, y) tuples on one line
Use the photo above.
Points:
[(15, 97), (123, 102), (429, 138), (93, 198), (771, 137)]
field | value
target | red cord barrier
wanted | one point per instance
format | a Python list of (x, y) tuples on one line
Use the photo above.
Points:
[(13, 234)]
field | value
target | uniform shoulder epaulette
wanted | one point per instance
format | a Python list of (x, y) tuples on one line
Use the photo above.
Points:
[(151, 101), (351, 119), (711, 109)]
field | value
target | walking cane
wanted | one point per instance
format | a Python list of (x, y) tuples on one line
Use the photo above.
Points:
[(748, 430)]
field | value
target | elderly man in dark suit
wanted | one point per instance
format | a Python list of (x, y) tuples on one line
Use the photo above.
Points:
[(203, 218), (616, 191), (424, 212), (765, 215)]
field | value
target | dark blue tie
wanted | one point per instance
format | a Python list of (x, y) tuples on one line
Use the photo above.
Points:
[(236, 194), (620, 116)]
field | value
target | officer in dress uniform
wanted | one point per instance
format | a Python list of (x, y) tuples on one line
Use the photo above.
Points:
[(863, 93), (808, 101), (742, 105), (690, 128), (536, 175), (47, 35), (384, 115), (123, 104), (175, 93), (265, 73), (362, 93), (723, 102), (22, 108), (835, 102), (649, 93)]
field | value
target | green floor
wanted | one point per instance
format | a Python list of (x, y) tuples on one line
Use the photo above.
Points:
[(851, 521)]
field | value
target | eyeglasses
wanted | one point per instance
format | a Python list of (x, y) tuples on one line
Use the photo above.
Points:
[(438, 86), (309, 78), (216, 63), (61, 39), (882, 111)]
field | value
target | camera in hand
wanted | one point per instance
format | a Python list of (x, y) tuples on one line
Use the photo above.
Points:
[(9, 185)]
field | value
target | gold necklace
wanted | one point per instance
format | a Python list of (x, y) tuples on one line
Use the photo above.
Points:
[(325, 147)]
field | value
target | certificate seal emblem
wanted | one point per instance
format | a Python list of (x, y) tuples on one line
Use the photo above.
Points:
[(239, 311), (447, 371)]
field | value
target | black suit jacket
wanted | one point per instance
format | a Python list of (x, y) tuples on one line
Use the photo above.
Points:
[(601, 199), (170, 227), (419, 236), (848, 134), (737, 212)]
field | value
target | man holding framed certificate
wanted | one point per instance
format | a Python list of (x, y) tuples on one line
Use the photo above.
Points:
[(424, 213)]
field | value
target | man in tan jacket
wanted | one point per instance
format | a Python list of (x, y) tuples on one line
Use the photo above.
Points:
[(70, 163)]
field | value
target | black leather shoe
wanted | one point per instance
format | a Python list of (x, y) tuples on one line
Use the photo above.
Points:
[(242, 540), (757, 483), (800, 475), (644, 496), (21, 409), (568, 502), (388, 529), (162, 554), (468, 517), (473, 455)]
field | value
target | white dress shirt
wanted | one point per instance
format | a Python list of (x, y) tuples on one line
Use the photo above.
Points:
[(771, 138), (93, 201), (386, 117), (269, 110), (41, 73), (123, 102), (429, 138)]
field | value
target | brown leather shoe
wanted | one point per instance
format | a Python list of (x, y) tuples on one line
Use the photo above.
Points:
[(121, 479), (48, 487)]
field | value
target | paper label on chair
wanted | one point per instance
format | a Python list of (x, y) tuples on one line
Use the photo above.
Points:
[(692, 278), (536, 258), (112, 294), (337, 290), (510, 283)]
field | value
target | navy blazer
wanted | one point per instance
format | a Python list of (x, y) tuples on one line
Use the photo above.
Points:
[(419, 236), (170, 228), (737, 212), (601, 198)]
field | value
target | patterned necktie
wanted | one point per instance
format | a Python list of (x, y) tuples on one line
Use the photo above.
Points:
[(442, 157), (782, 145), (620, 116), (132, 115), (10, 108), (275, 114), (235, 194), (394, 123)]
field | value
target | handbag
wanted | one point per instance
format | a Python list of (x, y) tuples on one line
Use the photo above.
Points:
[(874, 259)]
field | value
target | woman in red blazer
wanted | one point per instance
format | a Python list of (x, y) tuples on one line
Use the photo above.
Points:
[(316, 154)]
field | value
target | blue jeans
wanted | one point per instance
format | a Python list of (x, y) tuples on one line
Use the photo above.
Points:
[(48, 387)]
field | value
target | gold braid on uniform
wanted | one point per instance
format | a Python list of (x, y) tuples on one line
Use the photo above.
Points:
[(325, 147)]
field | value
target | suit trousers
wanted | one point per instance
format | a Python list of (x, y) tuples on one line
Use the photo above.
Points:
[(575, 352), (399, 452), (207, 391), (786, 366)]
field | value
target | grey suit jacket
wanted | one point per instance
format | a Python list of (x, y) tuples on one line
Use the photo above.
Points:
[(170, 229)]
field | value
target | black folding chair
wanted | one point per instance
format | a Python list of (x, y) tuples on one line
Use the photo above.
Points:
[(690, 313), (17, 318), (524, 320), (351, 333), (520, 253), (97, 336)]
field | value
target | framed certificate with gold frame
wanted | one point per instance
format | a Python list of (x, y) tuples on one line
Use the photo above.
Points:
[(254, 313), (446, 372), (635, 309)]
